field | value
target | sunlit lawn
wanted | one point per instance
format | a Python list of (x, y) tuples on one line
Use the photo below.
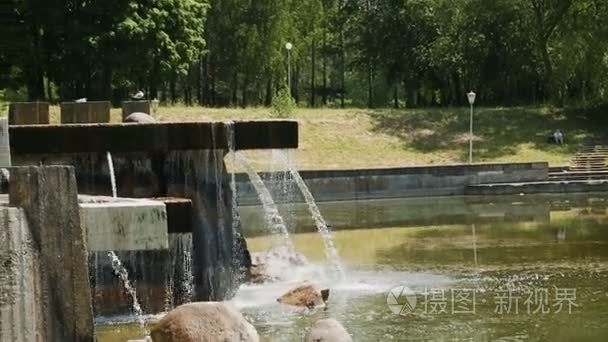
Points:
[(361, 138)]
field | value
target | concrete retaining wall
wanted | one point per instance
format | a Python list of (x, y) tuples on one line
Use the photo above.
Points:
[(403, 213), (344, 185), (558, 187)]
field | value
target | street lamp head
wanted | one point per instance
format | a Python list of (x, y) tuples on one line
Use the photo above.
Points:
[(289, 46), (471, 97)]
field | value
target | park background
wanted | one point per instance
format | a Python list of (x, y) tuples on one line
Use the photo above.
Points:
[(366, 75)]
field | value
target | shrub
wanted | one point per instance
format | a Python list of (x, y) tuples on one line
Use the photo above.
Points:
[(283, 104)]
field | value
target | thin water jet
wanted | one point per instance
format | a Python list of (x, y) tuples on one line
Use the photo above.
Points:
[(320, 223), (272, 216), (119, 269)]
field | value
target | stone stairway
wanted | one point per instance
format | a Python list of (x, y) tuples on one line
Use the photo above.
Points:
[(590, 163)]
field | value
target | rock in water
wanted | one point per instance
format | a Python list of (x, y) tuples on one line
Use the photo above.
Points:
[(140, 118), (204, 322), (4, 180), (305, 295), (328, 330)]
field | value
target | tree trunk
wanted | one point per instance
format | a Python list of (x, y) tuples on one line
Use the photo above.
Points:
[(343, 70), (235, 83), (324, 98), (312, 74), (173, 90), (396, 96), (547, 65), (200, 80), (211, 76), (296, 84), (268, 100), (370, 85), (244, 98)]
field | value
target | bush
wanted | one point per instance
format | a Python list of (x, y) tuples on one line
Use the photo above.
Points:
[(283, 104)]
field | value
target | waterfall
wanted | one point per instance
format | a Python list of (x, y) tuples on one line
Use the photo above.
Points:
[(322, 227), (237, 248), (271, 213), (119, 269)]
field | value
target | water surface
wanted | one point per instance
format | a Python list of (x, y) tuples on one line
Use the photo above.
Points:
[(536, 253)]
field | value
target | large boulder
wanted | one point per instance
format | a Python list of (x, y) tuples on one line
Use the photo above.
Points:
[(140, 118), (204, 322), (327, 330), (306, 295)]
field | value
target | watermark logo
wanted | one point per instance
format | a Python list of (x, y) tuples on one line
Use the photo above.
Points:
[(401, 300)]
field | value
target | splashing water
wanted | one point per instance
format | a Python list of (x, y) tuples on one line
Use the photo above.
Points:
[(322, 227), (119, 269), (271, 212)]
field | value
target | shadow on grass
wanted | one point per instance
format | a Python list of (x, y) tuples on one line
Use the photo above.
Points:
[(498, 131)]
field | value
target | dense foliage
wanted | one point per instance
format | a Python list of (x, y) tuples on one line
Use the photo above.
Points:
[(346, 52)]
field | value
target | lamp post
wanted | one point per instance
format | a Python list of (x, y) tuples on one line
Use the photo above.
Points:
[(471, 95), (289, 46)]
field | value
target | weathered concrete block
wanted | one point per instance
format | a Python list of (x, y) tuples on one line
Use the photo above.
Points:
[(86, 112), (28, 113), (123, 224), (130, 107), (48, 196), (174, 136), (20, 292), (5, 146)]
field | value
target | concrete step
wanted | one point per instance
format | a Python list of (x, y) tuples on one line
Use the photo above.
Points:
[(577, 178), (571, 172)]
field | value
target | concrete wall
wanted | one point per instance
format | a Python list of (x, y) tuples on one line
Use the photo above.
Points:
[(123, 224), (551, 187), (21, 315), (344, 185), (199, 175), (402, 212)]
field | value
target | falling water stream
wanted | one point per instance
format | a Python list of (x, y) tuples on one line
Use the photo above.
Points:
[(119, 269), (320, 223), (271, 212)]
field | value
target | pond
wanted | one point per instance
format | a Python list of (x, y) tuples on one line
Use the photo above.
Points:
[(470, 269)]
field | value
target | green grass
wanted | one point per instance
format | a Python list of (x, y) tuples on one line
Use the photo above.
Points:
[(360, 138)]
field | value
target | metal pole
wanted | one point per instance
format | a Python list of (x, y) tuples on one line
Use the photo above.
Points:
[(471, 137), (289, 70)]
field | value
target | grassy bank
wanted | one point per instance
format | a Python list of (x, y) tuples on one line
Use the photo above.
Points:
[(360, 138)]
